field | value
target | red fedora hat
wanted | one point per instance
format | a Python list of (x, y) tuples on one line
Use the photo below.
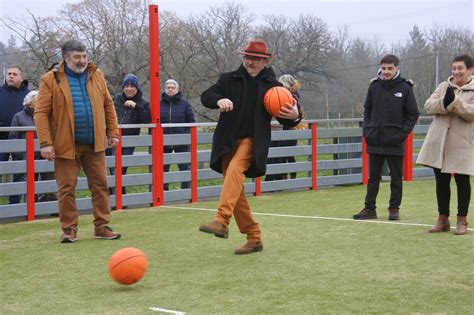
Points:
[(257, 48)]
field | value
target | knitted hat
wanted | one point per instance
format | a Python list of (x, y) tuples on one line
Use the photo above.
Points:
[(130, 79), (172, 82)]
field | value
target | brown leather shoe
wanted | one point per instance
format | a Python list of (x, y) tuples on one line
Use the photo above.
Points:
[(461, 226), (216, 228), (249, 248), (442, 224), (106, 233), (69, 236)]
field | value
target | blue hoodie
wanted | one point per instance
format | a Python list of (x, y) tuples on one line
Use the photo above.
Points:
[(11, 102)]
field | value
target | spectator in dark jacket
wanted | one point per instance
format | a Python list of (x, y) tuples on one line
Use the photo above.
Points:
[(12, 94), (131, 108), (25, 118), (390, 113), (175, 109)]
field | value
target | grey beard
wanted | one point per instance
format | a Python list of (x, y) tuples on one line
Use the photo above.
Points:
[(80, 70)]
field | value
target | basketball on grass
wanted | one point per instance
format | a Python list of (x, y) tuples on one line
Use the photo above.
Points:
[(127, 265), (275, 98)]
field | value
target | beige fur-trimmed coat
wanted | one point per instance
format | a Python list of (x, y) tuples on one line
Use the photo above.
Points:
[(449, 144)]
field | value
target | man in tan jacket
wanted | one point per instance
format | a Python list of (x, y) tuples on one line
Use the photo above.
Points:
[(76, 121)]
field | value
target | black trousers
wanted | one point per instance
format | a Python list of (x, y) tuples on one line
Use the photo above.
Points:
[(443, 192), (395, 164)]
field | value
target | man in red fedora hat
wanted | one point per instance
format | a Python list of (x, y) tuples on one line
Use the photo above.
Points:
[(241, 139)]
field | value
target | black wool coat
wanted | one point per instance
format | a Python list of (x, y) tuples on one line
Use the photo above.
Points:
[(231, 85), (390, 113)]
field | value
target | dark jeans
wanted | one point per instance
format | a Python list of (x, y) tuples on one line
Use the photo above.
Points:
[(20, 177), (38, 197), (181, 166), (443, 192), (395, 164), (111, 152), (16, 198), (291, 159), (4, 157), (16, 178)]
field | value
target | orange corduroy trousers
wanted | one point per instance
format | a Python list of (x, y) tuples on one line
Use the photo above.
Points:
[(67, 171), (232, 200)]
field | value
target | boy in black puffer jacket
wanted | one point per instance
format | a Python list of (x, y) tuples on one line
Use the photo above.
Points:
[(390, 113)]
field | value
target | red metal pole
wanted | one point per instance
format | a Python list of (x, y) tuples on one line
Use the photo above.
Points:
[(30, 175), (118, 173), (408, 159), (194, 164), (157, 132), (365, 163), (314, 156), (258, 186)]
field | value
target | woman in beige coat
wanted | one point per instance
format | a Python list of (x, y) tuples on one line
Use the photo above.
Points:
[(449, 144)]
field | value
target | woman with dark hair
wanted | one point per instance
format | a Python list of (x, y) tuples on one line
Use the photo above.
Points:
[(449, 144)]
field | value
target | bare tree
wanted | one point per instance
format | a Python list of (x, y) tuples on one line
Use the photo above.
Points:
[(301, 46), (216, 36), (39, 38), (335, 69), (450, 42), (116, 32)]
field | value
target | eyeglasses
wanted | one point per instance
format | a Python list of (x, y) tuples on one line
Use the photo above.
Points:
[(252, 58)]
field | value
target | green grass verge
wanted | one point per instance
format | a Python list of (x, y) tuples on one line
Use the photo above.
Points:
[(309, 265)]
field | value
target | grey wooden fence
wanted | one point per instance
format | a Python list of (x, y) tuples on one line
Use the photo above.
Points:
[(338, 163)]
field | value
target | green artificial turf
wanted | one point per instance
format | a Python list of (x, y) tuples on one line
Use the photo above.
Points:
[(316, 260)]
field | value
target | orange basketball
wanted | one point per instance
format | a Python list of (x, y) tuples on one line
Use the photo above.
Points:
[(127, 265), (275, 98)]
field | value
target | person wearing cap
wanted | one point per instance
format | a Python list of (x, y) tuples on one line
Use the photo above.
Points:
[(174, 108), (131, 108), (241, 139), (76, 121)]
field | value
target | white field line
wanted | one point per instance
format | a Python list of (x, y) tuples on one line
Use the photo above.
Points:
[(312, 217), (164, 310)]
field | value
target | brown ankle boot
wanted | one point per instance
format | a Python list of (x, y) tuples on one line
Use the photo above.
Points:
[(461, 226), (249, 248), (442, 225), (216, 228)]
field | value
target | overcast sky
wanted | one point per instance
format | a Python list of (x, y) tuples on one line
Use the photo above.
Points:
[(388, 21)]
